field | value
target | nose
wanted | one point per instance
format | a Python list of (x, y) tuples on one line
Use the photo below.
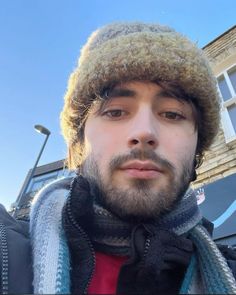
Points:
[(143, 131)]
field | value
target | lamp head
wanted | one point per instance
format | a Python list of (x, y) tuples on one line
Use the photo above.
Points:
[(42, 129)]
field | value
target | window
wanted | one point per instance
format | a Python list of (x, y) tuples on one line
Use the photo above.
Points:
[(41, 180), (227, 87)]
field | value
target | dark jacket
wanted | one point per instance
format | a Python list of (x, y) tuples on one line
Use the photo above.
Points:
[(15, 256)]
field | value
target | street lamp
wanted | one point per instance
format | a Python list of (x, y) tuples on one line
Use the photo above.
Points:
[(45, 131)]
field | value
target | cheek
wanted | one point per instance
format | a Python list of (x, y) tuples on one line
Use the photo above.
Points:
[(179, 146), (102, 144)]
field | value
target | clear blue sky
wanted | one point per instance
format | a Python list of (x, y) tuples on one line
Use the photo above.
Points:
[(40, 43)]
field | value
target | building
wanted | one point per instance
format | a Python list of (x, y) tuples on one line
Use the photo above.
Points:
[(42, 176), (217, 175), (220, 161)]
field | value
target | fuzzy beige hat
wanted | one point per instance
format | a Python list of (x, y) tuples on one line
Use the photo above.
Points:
[(123, 52)]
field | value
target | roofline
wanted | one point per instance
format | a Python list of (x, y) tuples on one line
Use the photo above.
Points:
[(49, 167), (220, 36)]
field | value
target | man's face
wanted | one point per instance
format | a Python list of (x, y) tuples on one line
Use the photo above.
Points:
[(139, 149)]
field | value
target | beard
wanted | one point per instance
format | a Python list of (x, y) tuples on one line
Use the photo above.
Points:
[(140, 201)]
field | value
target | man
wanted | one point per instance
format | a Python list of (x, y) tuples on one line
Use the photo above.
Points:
[(140, 110)]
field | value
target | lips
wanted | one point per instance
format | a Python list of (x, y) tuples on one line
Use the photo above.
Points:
[(141, 170)]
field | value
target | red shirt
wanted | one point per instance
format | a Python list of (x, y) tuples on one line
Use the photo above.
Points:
[(106, 273)]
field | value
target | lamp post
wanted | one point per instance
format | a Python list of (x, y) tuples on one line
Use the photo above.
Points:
[(45, 131)]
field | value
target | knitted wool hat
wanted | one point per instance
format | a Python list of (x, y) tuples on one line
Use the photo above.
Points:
[(123, 52)]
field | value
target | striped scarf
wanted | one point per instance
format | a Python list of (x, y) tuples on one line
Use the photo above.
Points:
[(207, 273)]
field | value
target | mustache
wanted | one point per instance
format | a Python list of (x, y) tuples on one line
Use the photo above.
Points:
[(137, 154)]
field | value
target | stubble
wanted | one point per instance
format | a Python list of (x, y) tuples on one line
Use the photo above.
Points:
[(140, 200)]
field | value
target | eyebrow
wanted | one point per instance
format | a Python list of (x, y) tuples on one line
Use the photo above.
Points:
[(119, 92), (125, 92)]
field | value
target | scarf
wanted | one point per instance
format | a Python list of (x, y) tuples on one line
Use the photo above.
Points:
[(207, 272)]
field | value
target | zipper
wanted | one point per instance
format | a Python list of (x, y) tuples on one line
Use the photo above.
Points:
[(84, 236), (146, 247), (4, 259)]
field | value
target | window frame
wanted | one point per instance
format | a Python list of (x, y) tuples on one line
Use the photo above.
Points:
[(228, 127)]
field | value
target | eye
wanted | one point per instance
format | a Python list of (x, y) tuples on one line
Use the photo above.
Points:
[(116, 113), (173, 116)]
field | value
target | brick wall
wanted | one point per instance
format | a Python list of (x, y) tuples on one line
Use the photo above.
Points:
[(220, 160), (221, 47)]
